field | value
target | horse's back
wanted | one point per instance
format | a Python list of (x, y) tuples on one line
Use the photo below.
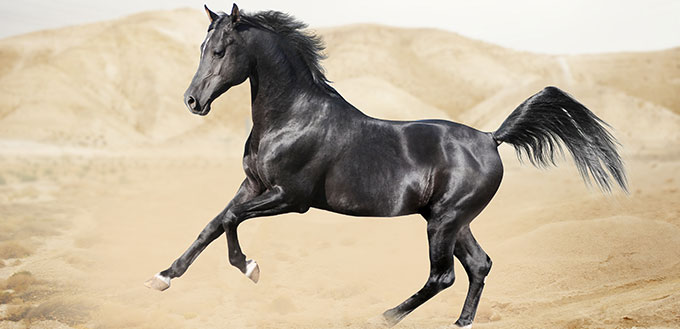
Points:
[(451, 145)]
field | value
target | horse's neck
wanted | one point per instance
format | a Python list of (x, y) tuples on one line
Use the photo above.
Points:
[(279, 92), (274, 111)]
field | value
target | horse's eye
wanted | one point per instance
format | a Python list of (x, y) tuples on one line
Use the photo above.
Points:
[(218, 53)]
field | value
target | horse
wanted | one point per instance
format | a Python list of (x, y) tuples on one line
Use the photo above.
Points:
[(309, 147)]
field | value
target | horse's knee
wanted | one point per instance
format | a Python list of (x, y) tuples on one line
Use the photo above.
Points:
[(447, 280), (229, 220), (444, 280)]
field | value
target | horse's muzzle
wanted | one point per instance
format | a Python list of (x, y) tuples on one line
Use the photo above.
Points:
[(193, 105)]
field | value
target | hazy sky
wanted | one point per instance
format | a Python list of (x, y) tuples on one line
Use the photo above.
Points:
[(573, 26)]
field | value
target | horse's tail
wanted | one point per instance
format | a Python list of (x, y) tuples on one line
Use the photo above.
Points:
[(536, 127)]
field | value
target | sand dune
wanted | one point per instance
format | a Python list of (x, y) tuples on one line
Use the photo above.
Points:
[(106, 178)]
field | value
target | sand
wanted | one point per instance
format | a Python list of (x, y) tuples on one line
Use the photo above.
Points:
[(105, 178)]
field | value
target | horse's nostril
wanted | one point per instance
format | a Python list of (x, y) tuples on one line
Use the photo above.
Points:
[(191, 102)]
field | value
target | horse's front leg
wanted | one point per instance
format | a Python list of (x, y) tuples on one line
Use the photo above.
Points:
[(212, 231), (271, 202)]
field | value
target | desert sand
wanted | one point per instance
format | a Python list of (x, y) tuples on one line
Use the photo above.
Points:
[(105, 178)]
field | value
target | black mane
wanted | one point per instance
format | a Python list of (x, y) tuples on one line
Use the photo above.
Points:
[(308, 45)]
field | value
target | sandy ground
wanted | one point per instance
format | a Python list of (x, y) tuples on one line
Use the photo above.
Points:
[(96, 197), (95, 228)]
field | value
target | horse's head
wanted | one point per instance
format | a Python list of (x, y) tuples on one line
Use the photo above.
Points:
[(224, 62)]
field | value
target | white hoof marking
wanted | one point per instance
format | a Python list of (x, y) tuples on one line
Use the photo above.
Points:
[(252, 270), (158, 282)]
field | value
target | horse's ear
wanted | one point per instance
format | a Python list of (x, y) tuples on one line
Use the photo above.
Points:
[(235, 14), (212, 16)]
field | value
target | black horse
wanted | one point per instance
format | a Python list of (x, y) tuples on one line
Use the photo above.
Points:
[(310, 148)]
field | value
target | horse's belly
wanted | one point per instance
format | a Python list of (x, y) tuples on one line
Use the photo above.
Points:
[(351, 205), (375, 195)]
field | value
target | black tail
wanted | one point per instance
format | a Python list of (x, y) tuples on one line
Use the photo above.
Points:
[(536, 127)]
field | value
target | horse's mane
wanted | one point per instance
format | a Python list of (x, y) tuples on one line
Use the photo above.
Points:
[(308, 45)]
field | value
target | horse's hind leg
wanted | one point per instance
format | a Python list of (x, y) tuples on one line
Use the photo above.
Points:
[(477, 264), (446, 218), (441, 234)]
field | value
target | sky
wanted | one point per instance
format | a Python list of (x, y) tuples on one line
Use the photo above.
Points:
[(554, 27)]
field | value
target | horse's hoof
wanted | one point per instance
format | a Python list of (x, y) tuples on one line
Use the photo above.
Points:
[(391, 317), (458, 326), (253, 270), (158, 282)]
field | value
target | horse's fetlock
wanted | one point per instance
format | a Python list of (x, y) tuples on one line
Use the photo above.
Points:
[(238, 260)]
